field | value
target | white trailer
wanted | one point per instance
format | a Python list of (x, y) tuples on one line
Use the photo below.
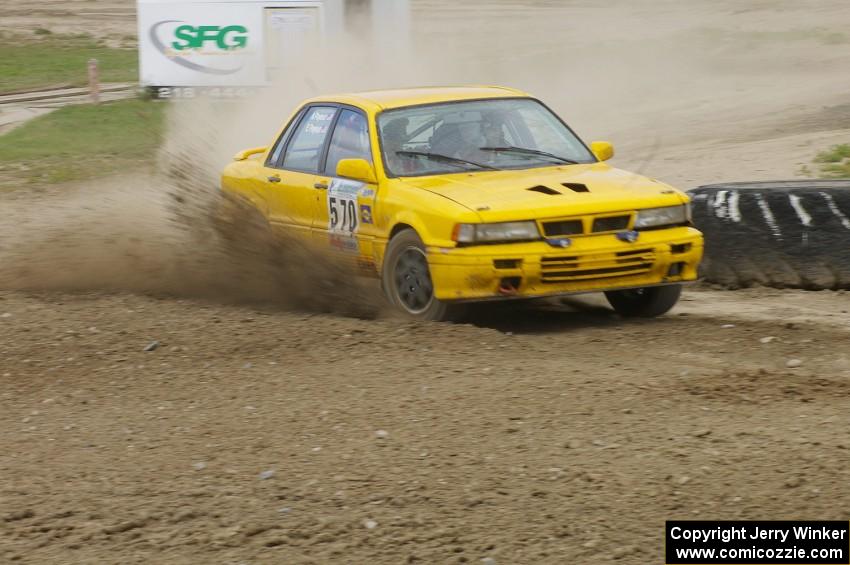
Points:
[(248, 43)]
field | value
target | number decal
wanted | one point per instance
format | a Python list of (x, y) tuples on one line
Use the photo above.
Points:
[(342, 214), (342, 206)]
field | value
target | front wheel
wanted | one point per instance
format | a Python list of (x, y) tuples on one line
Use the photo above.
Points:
[(407, 281), (644, 302)]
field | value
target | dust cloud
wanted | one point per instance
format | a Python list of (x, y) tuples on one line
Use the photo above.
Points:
[(159, 231)]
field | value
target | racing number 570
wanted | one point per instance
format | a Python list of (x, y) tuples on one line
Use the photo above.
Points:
[(348, 208)]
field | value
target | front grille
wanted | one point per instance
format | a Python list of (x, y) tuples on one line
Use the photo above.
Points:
[(569, 268), (575, 226), (563, 227), (611, 223)]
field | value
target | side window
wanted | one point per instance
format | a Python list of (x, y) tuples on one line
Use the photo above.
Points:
[(305, 147), (350, 140), (274, 155)]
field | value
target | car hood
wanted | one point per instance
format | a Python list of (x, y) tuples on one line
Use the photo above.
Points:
[(550, 192)]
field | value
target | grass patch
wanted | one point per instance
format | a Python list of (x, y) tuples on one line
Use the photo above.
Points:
[(47, 59), (834, 163), (81, 142)]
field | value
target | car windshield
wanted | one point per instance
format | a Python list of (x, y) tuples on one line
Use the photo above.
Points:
[(504, 133)]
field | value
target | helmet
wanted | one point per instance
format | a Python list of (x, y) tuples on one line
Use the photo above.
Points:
[(395, 131)]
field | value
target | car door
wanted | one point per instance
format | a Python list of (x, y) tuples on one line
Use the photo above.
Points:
[(292, 176), (344, 216)]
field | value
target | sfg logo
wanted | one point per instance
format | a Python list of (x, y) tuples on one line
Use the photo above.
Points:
[(183, 45), (195, 37)]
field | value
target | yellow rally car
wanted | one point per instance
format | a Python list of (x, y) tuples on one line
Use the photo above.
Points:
[(461, 194)]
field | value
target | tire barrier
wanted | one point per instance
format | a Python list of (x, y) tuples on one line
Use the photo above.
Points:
[(782, 234)]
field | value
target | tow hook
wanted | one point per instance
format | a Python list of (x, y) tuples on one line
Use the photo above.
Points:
[(509, 286)]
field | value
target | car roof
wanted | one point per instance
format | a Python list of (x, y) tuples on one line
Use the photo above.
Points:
[(377, 100)]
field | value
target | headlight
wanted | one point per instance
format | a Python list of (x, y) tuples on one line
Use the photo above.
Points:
[(505, 231), (669, 215)]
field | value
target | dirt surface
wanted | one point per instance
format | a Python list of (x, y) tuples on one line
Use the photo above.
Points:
[(269, 437), (549, 433), (107, 19)]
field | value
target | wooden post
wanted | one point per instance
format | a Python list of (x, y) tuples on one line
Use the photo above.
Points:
[(94, 82)]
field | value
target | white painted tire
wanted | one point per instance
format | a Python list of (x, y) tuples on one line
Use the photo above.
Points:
[(783, 234)]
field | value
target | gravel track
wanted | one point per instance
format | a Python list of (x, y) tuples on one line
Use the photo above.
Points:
[(553, 434)]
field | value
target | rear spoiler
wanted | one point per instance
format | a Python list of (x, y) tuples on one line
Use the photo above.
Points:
[(245, 153)]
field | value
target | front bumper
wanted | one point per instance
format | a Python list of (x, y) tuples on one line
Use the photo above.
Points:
[(591, 263)]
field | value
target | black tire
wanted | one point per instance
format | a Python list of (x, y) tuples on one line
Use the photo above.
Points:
[(406, 280), (646, 302), (782, 234)]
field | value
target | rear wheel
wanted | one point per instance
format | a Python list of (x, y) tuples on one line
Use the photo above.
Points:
[(645, 302), (407, 281)]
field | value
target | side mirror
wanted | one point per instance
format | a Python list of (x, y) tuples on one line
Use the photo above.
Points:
[(244, 154), (356, 169), (602, 149)]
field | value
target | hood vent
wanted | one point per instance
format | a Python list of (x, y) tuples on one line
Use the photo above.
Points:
[(576, 187), (543, 189)]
